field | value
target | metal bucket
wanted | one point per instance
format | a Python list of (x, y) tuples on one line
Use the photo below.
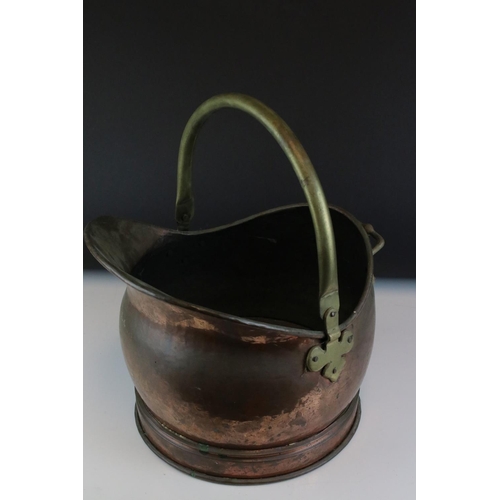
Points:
[(244, 373)]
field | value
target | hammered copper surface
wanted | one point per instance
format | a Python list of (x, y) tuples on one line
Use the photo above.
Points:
[(231, 384)]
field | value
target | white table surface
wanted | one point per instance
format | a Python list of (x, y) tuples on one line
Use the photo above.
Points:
[(378, 463)]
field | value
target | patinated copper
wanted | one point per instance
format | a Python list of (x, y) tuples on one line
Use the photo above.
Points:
[(219, 329)]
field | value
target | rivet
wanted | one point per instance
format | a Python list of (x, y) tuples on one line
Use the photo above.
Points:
[(315, 358), (349, 339), (332, 314), (185, 217)]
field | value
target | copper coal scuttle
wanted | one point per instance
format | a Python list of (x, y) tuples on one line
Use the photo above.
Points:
[(244, 373)]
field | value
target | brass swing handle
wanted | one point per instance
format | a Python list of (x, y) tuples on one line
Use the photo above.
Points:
[(329, 291)]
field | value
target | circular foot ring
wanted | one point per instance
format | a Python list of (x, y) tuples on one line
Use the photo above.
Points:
[(238, 466)]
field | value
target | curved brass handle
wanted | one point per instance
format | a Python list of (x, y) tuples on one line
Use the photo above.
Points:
[(379, 241), (325, 242)]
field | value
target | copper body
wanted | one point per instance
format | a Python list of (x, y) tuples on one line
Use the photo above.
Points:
[(215, 328), (234, 385)]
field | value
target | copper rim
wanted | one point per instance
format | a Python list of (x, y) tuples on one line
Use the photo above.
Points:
[(204, 456)]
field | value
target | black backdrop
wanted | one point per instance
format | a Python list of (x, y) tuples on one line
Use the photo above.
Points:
[(341, 74)]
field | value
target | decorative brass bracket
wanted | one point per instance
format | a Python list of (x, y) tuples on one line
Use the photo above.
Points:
[(331, 358)]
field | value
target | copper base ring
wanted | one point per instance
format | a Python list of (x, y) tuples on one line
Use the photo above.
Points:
[(198, 460)]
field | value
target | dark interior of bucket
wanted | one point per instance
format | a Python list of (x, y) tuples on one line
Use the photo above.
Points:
[(265, 268)]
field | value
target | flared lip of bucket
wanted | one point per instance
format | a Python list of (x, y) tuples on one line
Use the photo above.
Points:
[(104, 259)]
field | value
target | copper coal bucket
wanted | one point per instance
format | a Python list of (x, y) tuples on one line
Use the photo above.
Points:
[(243, 372)]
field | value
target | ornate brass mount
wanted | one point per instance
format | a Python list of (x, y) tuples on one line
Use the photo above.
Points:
[(331, 358)]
